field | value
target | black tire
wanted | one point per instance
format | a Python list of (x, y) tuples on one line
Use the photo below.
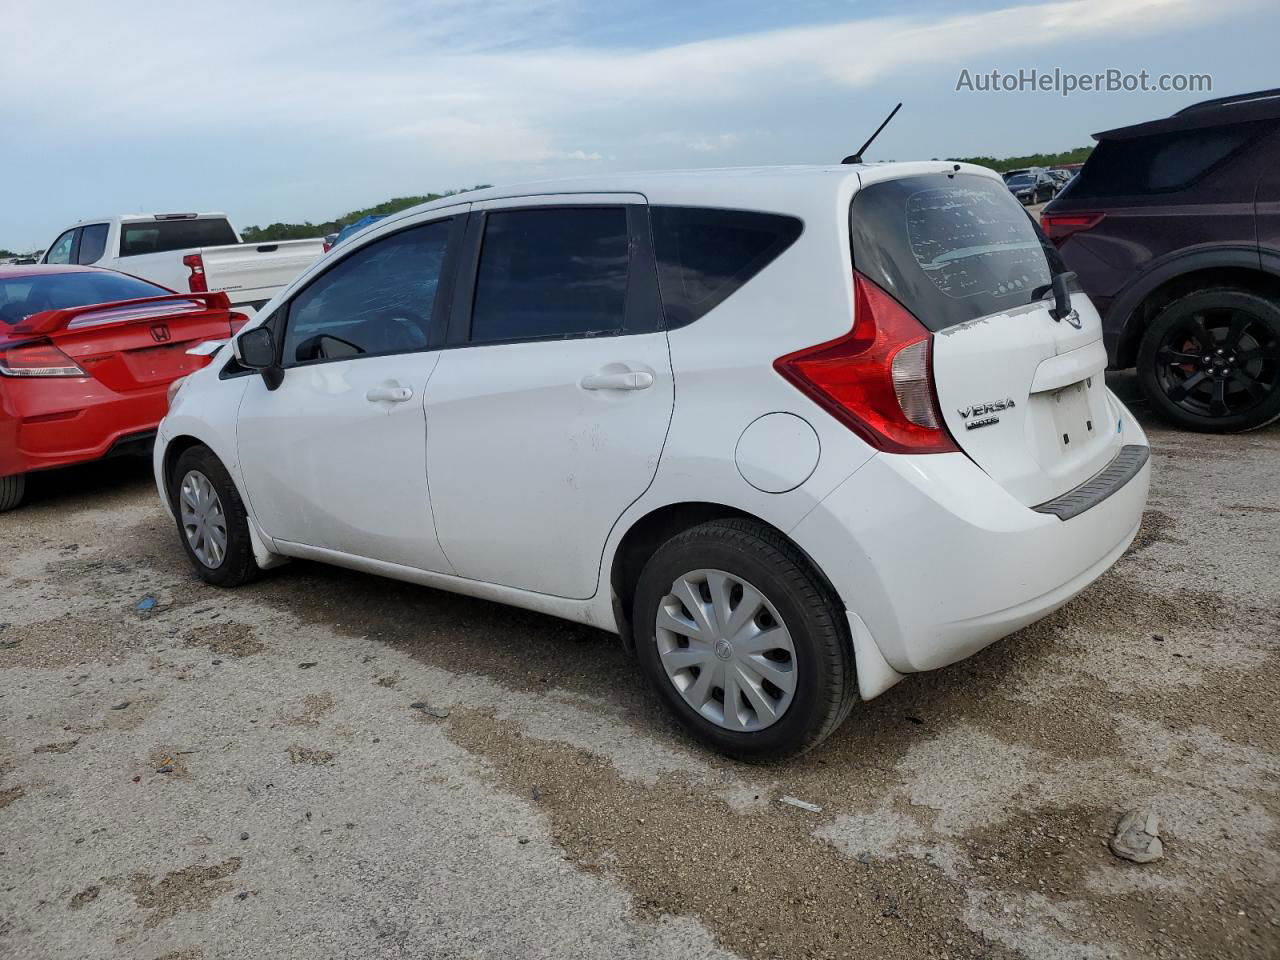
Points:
[(825, 686), (1210, 361), (237, 565), (12, 490)]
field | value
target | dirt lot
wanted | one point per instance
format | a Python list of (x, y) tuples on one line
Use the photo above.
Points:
[(243, 774)]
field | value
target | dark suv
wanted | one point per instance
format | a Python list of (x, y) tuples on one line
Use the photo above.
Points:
[(1173, 227)]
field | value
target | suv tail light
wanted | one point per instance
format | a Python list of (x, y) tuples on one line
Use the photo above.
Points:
[(237, 320), (1058, 226), (196, 283), (878, 378), (38, 358)]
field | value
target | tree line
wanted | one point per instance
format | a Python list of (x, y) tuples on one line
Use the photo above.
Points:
[(1076, 155), (307, 229)]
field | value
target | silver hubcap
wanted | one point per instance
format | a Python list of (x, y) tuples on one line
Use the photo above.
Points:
[(203, 520), (726, 650)]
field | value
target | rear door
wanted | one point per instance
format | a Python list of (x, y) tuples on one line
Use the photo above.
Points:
[(1022, 392), (547, 415)]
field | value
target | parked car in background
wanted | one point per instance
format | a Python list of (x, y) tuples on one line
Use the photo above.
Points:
[(1032, 186), (86, 356), (1063, 177), (351, 229), (1173, 227), (585, 404), (196, 252)]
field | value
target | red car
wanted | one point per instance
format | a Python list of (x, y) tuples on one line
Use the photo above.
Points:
[(86, 360)]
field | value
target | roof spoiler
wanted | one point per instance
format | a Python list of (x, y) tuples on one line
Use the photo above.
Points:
[(1241, 108), (1228, 101), (51, 321)]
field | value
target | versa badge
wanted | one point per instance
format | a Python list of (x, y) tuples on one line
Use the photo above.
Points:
[(984, 411)]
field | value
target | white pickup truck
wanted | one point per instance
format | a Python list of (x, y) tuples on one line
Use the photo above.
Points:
[(187, 252)]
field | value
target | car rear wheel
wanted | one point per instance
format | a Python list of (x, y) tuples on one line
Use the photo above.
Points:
[(743, 641), (1210, 361), (12, 490), (212, 522)]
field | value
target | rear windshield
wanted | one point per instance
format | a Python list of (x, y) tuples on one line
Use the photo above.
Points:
[(705, 254), (161, 236), (1163, 163), (22, 296), (950, 249)]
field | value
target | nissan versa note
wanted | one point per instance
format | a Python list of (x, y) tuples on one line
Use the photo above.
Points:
[(791, 432)]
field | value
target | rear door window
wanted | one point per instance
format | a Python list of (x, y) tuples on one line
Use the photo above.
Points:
[(552, 272), (706, 254), (377, 301), (950, 249), (93, 243), (162, 236)]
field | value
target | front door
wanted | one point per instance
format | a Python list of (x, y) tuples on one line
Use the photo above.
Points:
[(547, 419), (336, 456)]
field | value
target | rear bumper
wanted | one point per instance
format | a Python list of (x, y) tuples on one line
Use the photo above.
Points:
[(939, 561), (56, 422)]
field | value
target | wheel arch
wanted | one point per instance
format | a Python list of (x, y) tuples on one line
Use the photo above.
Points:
[(648, 532), (1132, 312), (263, 547)]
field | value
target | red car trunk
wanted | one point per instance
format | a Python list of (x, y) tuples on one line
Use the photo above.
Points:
[(127, 353)]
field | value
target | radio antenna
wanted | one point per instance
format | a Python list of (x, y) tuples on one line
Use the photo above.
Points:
[(857, 157)]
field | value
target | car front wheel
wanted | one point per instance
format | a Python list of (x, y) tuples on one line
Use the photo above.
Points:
[(212, 523), (1210, 361), (743, 641)]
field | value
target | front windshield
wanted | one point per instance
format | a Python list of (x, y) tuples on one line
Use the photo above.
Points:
[(22, 296)]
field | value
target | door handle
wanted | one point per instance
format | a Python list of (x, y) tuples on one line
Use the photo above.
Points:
[(633, 380), (389, 394)]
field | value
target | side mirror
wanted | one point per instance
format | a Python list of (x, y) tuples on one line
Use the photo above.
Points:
[(256, 349)]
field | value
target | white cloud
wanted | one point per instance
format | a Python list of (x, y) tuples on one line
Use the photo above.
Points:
[(438, 77)]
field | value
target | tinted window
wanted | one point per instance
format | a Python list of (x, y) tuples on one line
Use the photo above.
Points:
[(705, 254), (950, 249), (22, 296), (551, 273), (60, 252), (93, 243), (160, 236), (1160, 163), (377, 301)]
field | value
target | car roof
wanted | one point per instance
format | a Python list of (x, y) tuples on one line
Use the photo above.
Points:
[(760, 188), (45, 269), (1242, 108)]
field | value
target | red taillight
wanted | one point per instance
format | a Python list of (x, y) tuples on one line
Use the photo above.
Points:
[(1058, 226), (877, 379), (238, 320), (327, 247), (39, 358), (196, 283)]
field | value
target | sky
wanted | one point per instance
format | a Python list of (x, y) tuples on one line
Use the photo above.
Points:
[(276, 110)]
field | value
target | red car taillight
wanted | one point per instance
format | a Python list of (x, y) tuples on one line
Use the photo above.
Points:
[(196, 283), (877, 379), (1058, 226), (237, 320), (39, 358)]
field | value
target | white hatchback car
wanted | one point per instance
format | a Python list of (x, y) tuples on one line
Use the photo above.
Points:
[(791, 432)]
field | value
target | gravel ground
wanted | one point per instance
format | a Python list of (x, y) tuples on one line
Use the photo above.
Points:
[(243, 774)]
